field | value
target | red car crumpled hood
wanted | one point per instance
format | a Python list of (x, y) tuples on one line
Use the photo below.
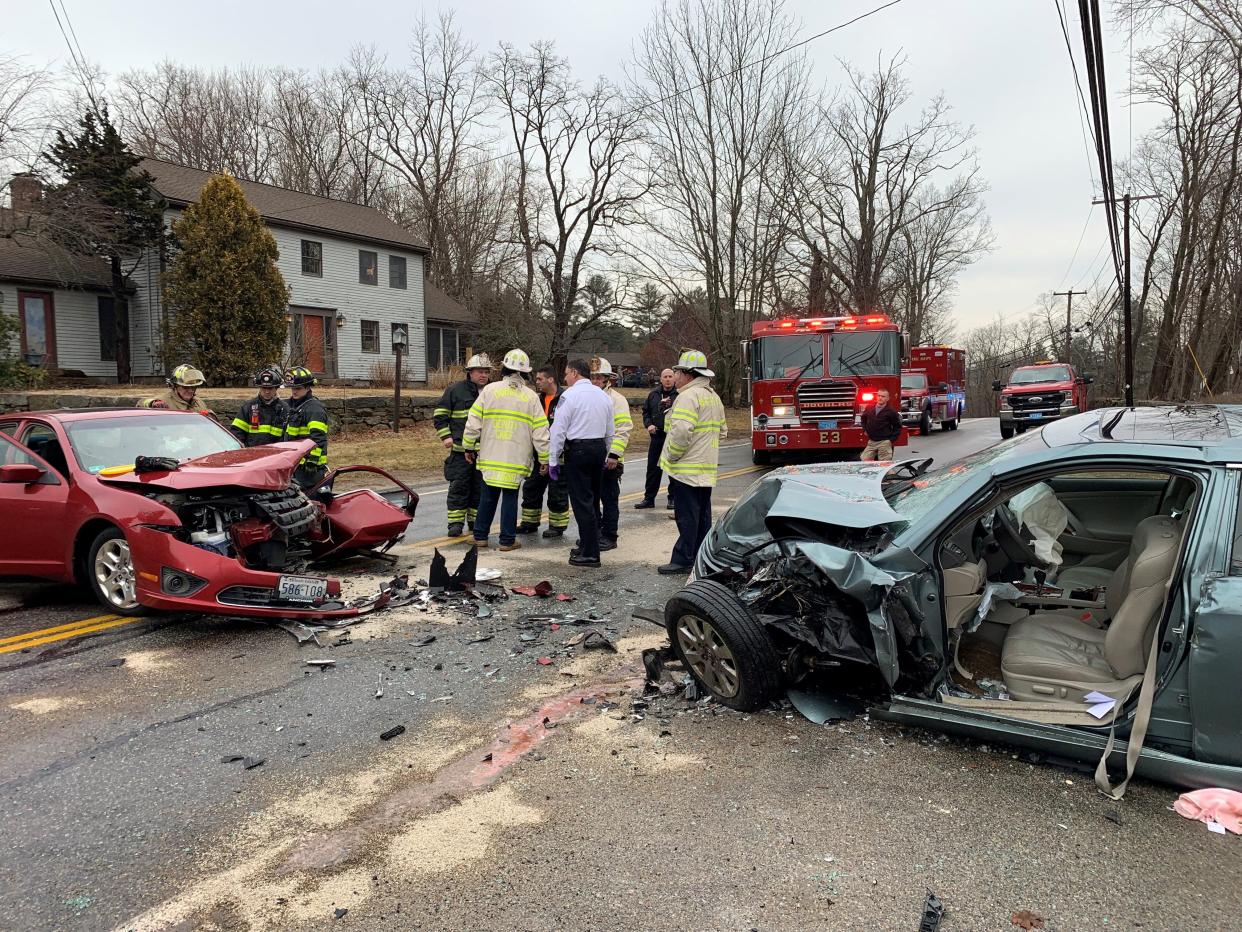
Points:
[(266, 468)]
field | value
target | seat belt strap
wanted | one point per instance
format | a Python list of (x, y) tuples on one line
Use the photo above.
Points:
[(1138, 733)]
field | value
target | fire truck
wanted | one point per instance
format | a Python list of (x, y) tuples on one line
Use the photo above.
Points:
[(811, 378), (933, 388)]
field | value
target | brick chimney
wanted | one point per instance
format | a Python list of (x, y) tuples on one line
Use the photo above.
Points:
[(26, 191)]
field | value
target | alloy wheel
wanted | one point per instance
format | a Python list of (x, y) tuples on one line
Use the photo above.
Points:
[(708, 656), (114, 573)]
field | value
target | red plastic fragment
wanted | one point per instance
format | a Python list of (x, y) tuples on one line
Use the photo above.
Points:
[(564, 597), (545, 661)]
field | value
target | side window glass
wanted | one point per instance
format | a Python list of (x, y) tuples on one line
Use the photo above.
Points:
[(11, 455), (41, 440)]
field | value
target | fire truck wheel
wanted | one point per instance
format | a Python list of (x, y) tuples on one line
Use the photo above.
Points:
[(761, 457), (952, 423), (925, 423)]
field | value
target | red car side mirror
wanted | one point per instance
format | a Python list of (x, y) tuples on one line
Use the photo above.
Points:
[(24, 473)]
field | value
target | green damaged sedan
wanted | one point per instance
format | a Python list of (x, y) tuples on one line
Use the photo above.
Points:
[(1076, 591)]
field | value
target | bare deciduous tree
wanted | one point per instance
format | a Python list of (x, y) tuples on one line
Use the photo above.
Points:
[(23, 116)]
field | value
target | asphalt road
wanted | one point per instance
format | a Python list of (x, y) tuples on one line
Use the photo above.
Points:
[(526, 794)]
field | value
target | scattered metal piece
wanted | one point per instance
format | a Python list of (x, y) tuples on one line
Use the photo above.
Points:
[(379, 689), (819, 708), (480, 638), (232, 758), (301, 631), (528, 636), (249, 763), (322, 664), (442, 699), (392, 732), (653, 615), (429, 639), (486, 575), (597, 640), (933, 912)]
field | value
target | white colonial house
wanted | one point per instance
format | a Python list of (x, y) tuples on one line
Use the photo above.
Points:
[(354, 277)]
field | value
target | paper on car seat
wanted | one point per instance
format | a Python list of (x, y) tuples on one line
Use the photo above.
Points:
[(1101, 704)]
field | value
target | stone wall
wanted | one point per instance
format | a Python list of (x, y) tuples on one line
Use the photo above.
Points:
[(358, 411)]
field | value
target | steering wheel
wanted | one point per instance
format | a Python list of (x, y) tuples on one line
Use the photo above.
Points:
[(1007, 533)]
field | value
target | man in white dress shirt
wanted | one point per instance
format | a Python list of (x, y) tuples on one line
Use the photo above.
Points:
[(581, 434)]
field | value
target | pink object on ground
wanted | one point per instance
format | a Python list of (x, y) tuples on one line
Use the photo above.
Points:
[(1214, 805)]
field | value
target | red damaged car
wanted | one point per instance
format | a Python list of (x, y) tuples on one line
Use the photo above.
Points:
[(166, 510)]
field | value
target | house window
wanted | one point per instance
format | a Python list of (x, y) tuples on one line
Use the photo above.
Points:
[(396, 271), (367, 263), (370, 336), (107, 328), (312, 257), (443, 347)]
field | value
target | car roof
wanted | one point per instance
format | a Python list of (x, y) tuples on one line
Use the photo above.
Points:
[(66, 415), (1216, 429)]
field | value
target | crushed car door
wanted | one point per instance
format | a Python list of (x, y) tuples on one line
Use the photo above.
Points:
[(1216, 641), (32, 509)]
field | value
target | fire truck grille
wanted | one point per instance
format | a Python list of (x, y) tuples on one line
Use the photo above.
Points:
[(1038, 400), (819, 401)]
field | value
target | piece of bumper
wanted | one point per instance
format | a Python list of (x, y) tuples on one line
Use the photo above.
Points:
[(1024, 416), (229, 588)]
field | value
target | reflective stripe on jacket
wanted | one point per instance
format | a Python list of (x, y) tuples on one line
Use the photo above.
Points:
[(695, 425), (259, 422), (449, 416), (309, 418), (505, 426), (622, 424)]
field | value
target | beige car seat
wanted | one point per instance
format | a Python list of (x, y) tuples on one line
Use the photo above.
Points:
[(1054, 655)]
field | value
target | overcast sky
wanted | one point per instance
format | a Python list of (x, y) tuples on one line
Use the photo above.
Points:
[(1001, 63)]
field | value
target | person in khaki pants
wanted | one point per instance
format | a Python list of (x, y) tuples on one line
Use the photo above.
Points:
[(883, 425)]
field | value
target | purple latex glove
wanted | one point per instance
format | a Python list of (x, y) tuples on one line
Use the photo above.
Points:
[(554, 473)]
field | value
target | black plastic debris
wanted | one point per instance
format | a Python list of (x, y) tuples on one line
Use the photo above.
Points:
[(392, 732), (144, 464), (819, 708), (933, 912), (597, 640), (232, 758), (654, 661), (119, 662), (439, 578), (480, 638), (249, 763), (340, 912), (653, 615), (429, 639)]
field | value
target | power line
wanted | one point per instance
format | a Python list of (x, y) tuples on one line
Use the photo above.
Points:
[(1069, 268), (687, 90), (1083, 127), (79, 60)]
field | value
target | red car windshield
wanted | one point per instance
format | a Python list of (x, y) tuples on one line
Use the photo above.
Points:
[(118, 441)]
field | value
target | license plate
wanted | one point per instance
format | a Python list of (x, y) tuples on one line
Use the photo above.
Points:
[(302, 588), (827, 425), (1037, 416)]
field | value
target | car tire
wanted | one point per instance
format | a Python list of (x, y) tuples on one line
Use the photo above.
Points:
[(723, 645), (110, 573), (761, 457), (925, 423), (1006, 432)]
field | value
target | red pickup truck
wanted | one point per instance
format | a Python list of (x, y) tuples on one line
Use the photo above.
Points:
[(933, 388), (1040, 393)]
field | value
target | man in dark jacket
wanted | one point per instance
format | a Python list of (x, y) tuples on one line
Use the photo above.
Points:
[(449, 419), (536, 483), (883, 425), (307, 418), (655, 408), (261, 420)]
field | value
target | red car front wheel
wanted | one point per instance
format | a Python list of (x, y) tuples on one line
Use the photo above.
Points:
[(110, 573)]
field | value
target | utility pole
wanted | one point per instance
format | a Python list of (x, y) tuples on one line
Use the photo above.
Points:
[(1127, 327), (1069, 320)]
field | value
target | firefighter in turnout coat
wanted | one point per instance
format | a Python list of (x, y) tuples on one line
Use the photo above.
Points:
[(261, 420), (622, 423), (308, 418), (505, 430), (537, 482), (449, 419), (695, 426)]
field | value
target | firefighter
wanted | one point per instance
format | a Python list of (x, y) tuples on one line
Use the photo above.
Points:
[(261, 420), (449, 419), (505, 430), (535, 484), (695, 426), (610, 489), (182, 394), (307, 418)]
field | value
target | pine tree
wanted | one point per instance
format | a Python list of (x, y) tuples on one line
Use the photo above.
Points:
[(104, 207), (226, 296)]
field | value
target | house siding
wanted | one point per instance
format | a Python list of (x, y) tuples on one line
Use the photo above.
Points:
[(337, 289), (77, 327)]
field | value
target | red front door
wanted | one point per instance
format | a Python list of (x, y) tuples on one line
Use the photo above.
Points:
[(33, 516)]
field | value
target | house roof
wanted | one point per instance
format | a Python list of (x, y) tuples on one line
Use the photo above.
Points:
[(180, 185), (27, 259), (439, 306)]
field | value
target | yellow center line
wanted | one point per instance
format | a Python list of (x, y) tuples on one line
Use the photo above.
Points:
[(629, 497), (64, 635), (46, 631)]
